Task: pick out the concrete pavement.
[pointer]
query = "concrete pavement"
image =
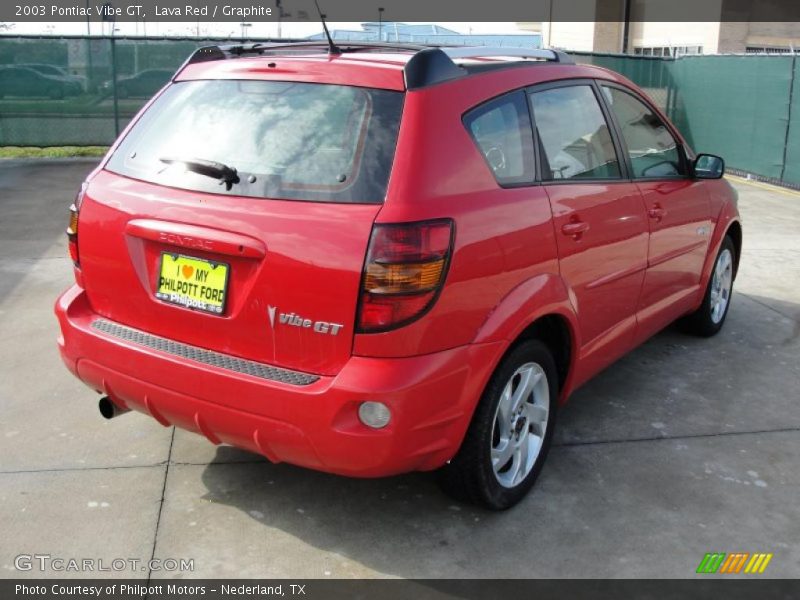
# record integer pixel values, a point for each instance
(685, 446)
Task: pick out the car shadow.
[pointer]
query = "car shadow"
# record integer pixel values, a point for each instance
(403, 526)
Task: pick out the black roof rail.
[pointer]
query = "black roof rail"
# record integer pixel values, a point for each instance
(428, 66)
(435, 65)
(260, 48)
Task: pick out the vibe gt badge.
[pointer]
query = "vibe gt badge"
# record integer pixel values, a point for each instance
(296, 320)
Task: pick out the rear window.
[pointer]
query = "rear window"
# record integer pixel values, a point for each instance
(296, 141)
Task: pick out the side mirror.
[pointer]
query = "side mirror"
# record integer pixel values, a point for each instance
(708, 166)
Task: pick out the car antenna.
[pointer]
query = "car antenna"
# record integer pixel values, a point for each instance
(332, 48)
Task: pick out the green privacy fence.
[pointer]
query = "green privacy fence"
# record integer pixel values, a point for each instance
(746, 108)
(746, 123)
(791, 164)
(82, 91)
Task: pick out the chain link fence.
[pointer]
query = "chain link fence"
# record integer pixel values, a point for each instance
(79, 90)
(83, 91)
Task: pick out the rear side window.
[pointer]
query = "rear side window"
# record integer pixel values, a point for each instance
(502, 131)
(573, 134)
(296, 141)
(652, 149)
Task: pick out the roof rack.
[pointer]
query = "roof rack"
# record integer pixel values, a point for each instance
(435, 65)
(260, 48)
(490, 52)
(428, 66)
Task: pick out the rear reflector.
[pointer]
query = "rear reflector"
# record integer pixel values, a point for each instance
(72, 235)
(72, 228)
(404, 271)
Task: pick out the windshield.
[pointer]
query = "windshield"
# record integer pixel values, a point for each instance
(297, 141)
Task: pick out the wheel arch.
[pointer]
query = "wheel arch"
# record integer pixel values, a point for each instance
(727, 224)
(554, 331)
(734, 231)
(537, 308)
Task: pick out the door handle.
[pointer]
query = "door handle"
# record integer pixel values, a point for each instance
(575, 229)
(657, 213)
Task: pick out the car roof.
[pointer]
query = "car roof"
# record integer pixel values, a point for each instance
(379, 67)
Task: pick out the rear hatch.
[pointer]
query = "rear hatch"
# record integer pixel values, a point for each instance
(262, 263)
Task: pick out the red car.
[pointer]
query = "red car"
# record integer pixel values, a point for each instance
(381, 259)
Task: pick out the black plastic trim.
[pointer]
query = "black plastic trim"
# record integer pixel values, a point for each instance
(430, 66)
(203, 355)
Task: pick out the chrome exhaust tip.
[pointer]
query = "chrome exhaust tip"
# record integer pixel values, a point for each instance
(108, 409)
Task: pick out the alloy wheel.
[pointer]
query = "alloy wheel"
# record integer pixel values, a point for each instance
(520, 424)
(721, 285)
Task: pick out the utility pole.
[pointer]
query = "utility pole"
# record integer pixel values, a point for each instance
(89, 70)
(380, 23)
(113, 42)
(626, 26)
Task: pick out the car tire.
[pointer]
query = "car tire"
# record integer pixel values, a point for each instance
(710, 317)
(508, 439)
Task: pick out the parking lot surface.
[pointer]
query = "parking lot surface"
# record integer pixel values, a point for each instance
(683, 447)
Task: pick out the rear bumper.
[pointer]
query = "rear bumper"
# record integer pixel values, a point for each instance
(316, 425)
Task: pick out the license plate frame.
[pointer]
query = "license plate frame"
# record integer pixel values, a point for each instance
(187, 300)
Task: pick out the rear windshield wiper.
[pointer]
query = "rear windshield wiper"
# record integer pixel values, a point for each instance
(209, 168)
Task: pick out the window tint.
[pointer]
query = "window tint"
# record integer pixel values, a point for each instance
(298, 141)
(502, 130)
(652, 149)
(574, 134)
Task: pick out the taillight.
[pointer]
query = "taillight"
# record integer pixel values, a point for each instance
(404, 271)
(72, 229)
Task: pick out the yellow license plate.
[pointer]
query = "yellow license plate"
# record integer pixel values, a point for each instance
(194, 283)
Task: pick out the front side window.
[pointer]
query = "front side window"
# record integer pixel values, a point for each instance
(502, 131)
(287, 140)
(573, 134)
(652, 150)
